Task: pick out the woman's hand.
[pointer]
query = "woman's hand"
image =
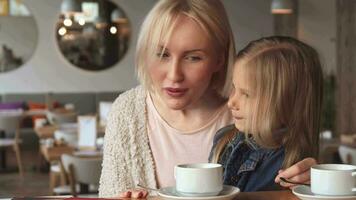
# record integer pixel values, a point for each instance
(299, 172)
(134, 193)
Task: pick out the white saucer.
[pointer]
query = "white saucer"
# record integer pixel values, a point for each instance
(304, 193)
(170, 193)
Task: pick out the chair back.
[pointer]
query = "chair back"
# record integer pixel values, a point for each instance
(87, 131)
(85, 170)
(104, 109)
(61, 118)
(347, 154)
(69, 136)
(10, 122)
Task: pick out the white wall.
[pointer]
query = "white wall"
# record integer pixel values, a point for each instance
(19, 34)
(317, 27)
(48, 70)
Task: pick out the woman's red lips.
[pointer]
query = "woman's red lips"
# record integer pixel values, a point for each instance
(175, 92)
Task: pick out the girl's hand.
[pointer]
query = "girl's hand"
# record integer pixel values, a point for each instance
(135, 193)
(299, 172)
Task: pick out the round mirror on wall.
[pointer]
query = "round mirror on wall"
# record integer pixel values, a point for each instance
(92, 34)
(18, 34)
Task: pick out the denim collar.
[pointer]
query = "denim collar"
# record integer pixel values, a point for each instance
(240, 144)
(256, 152)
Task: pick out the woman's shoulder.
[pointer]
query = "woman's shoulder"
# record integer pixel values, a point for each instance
(127, 109)
(130, 98)
(133, 93)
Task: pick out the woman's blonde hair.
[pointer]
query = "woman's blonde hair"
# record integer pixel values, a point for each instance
(288, 81)
(158, 26)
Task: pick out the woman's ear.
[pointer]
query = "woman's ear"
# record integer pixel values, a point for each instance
(220, 61)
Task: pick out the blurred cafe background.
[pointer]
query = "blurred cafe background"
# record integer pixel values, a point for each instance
(63, 63)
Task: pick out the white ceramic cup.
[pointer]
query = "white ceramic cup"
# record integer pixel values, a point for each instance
(40, 122)
(49, 142)
(333, 179)
(202, 179)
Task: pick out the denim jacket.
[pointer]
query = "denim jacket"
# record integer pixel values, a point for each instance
(246, 165)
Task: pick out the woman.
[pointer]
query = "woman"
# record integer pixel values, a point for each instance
(184, 52)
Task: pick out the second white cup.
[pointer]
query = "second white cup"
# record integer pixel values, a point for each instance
(333, 179)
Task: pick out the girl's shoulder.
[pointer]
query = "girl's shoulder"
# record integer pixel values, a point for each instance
(229, 129)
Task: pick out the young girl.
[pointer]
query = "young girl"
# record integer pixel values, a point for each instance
(276, 104)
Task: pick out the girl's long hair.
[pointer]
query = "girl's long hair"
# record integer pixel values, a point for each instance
(288, 80)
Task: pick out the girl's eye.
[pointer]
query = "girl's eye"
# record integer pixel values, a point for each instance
(245, 95)
(162, 55)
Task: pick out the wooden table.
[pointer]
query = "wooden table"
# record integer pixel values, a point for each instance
(54, 153)
(270, 195)
(48, 131)
(265, 195)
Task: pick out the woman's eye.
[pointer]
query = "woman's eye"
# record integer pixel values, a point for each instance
(193, 58)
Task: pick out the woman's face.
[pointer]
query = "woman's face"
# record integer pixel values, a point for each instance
(242, 97)
(181, 73)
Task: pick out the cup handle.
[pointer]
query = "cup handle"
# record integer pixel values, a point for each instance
(353, 174)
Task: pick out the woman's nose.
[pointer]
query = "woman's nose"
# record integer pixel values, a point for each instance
(175, 72)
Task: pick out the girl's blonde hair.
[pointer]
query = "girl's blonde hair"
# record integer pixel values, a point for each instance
(160, 21)
(288, 82)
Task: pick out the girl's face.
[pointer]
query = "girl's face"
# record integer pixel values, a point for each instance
(181, 73)
(242, 98)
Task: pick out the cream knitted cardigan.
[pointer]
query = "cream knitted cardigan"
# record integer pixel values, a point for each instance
(127, 155)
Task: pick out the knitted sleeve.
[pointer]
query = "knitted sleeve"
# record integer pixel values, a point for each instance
(127, 155)
(114, 176)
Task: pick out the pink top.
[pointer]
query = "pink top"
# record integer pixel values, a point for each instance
(171, 147)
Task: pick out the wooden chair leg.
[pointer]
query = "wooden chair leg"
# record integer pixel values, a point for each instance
(39, 159)
(53, 177)
(19, 161)
(72, 180)
(63, 176)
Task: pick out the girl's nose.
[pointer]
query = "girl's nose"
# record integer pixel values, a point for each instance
(233, 102)
(175, 72)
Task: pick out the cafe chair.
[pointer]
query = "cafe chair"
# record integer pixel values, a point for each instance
(81, 170)
(67, 133)
(68, 136)
(56, 175)
(58, 118)
(104, 109)
(10, 123)
(347, 154)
